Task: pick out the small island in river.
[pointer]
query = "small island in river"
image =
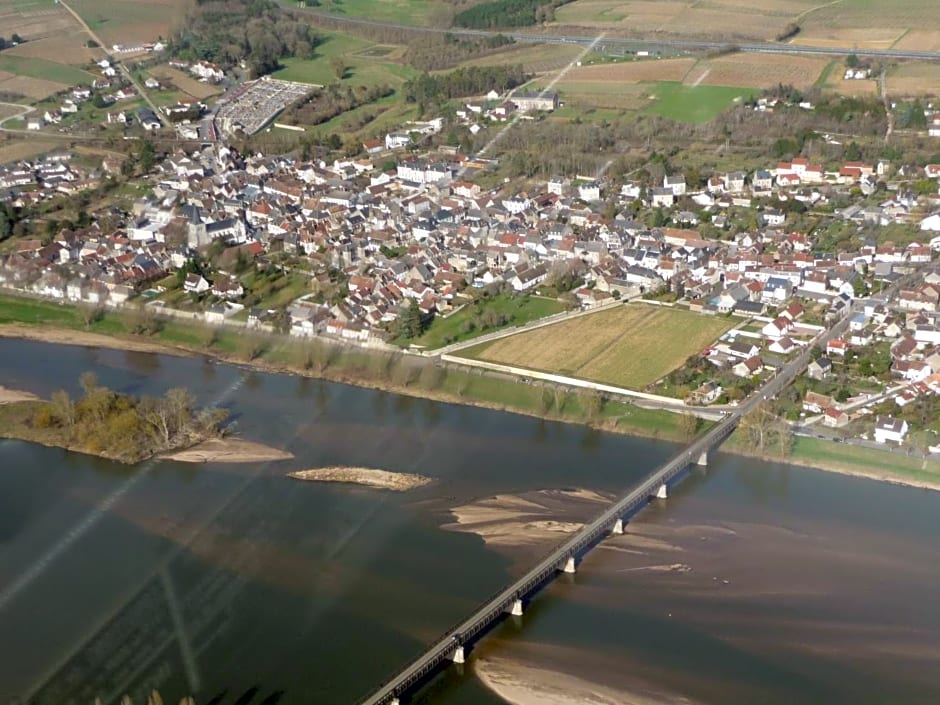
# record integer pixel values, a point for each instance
(369, 477)
(110, 424)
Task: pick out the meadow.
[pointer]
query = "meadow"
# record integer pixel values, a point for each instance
(698, 104)
(130, 21)
(630, 346)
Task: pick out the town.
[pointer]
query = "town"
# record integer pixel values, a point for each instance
(362, 242)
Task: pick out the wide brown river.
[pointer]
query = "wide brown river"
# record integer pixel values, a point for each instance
(753, 583)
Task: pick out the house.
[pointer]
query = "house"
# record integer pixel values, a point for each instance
(195, 284)
(749, 367)
(397, 140)
(373, 146)
(835, 418)
(590, 191)
(35, 124)
(525, 102)
(676, 184)
(819, 368)
(743, 349)
(837, 346)
(708, 393)
(778, 327)
(888, 428)
(227, 288)
(773, 217)
(816, 403)
(148, 119)
(783, 346)
(662, 197)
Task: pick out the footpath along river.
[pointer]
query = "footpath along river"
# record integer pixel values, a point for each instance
(754, 582)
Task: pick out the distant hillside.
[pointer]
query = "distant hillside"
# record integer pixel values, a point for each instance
(508, 13)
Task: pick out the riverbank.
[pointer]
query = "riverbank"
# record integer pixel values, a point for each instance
(417, 377)
(367, 477)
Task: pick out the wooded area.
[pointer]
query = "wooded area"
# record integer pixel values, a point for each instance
(508, 13)
(120, 426)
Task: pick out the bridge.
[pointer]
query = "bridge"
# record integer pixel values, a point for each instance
(564, 558)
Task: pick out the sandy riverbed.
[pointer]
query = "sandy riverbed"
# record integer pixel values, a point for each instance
(527, 685)
(12, 396)
(63, 336)
(228, 450)
(368, 477)
(529, 518)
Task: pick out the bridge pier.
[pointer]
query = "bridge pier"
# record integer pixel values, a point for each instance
(703, 458)
(458, 656)
(662, 492)
(394, 701)
(516, 608)
(569, 566)
(618, 528)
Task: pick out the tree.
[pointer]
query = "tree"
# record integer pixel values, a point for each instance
(688, 425)
(63, 408)
(410, 321)
(339, 67)
(764, 429)
(851, 61)
(594, 404)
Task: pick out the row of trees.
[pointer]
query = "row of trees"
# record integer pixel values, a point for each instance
(508, 13)
(472, 80)
(332, 101)
(125, 427)
(228, 32)
(442, 52)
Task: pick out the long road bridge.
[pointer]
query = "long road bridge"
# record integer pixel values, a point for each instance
(565, 557)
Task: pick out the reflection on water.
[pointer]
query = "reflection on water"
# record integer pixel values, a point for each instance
(753, 583)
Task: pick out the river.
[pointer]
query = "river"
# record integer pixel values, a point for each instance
(754, 582)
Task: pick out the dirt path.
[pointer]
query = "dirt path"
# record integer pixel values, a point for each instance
(23, 110)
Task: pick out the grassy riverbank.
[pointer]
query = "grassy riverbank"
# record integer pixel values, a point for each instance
(418, 377)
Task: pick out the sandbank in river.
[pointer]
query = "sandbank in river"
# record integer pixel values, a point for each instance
(228, 450)
(368, 477)
(14, 396)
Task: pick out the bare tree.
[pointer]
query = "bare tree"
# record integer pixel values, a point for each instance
(688, 425)
(63, 408)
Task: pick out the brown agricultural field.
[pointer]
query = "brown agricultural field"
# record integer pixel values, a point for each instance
(67, 48)
(914, 79)
(919, 40)
(605, 94)
(36, 88)
(185, 83)
(758, 71)
(130, 21)
(844, 23)
(836, 83)
(632, 71)
(15, 149)
(536, 59)
(630, 346)
(34, 20)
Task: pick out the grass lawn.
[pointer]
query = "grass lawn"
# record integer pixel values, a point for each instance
(855, 458)
(519, 309)
(630, 346)
(33, 67)
(697, 104)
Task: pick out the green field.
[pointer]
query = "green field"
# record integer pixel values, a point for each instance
(455, 328)
(361, 69)
(129, 21)
(44, 69)
(629, 346)
(416, 12)
(698, 104)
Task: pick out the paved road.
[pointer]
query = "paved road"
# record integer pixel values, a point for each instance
(633, 42)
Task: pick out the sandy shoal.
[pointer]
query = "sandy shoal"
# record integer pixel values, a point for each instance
(12, 396)
(519, 684)
(228, 450)
(64, 336)
(530, 518)
(368, 477)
